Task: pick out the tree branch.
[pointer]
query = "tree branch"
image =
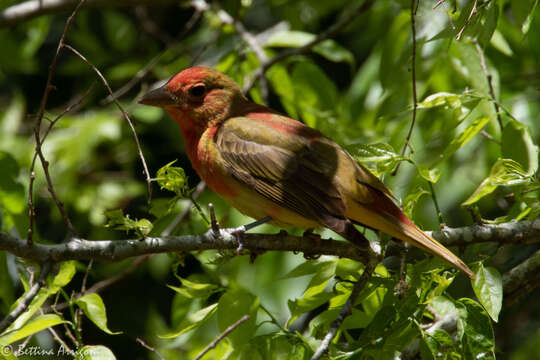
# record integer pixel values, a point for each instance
(514, 232)
(25, 302)
(115, 250)
(329, 33)
(346, 310)
(30, 9)
(222, 336)
(521, 279)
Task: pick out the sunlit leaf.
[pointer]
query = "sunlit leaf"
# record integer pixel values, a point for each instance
(517, 144)
(94, 352)
(191, 289)
(328, 48)
(33, 326)
(196, 319)
(474, 329)
(94, 308)
(173, 178)
(465, 136)
(488, 288)
(505, 172)
(117, 220)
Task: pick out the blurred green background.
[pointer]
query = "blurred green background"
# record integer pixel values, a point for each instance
(356, 89)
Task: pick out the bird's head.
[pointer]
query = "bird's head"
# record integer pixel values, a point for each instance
(199, 94)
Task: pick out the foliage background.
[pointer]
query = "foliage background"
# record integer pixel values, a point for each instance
(356, 89)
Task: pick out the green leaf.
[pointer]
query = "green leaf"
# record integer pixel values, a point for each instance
(12, 193)
(233, 305)
(94, 308)
(120, 31)
(467, 62)
(395, 50)
(147, 114)
(319, 95)
(460, 104)
(487, 29)
(504, 172)
(55, 282)
(192, 289)
(38, 29)
(382, 154)
(197, 319)
(173, 178)
(118, 221)
(432, 175)
(282, 84)
(438, 345)
(411, 200)
(499, 42)
(63, 277)
(6, 285)
(517, 144)
(12, 117)
(465, 136)
(474, 329)
(290, 39)
(524, 11)
(488, 288)
(329, 49)
(307, 268)
(299, 306)
(35, 325)
(94, 352)
(373, 152)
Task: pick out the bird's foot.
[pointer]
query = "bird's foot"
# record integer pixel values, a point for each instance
(310, 234)
(238, 234)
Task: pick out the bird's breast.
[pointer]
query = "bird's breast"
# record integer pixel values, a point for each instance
(207, 162)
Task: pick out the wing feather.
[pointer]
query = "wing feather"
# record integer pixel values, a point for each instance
(291, 173)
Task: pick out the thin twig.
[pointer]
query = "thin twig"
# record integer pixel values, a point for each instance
(27, 299)
(252, 43)
(103, 284)
(140, 341)
(473, 11)
(124, 113)
(85, 278)
(488, 136)
(154, 61)
(213, 221)
(489, 79)
(346, 310)
(57, 337)
(329, 33)
(436, 204)
(413, 79)
(221, 337)
(37, 138)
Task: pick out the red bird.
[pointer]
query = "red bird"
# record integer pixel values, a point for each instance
(268, 165)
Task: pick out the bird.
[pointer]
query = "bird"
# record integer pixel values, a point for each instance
(270, 166)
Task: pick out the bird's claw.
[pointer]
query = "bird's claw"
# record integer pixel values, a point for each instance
(238, 234)
(313, 236)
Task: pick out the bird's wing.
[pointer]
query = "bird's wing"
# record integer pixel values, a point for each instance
(291, 170)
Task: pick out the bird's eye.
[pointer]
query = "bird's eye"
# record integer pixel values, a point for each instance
(197, 90)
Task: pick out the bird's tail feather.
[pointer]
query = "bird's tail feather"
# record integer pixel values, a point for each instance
(391, 220)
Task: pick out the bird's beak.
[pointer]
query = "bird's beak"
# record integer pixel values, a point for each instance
(160, 97)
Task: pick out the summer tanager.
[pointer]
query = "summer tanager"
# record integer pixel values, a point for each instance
(268, 165)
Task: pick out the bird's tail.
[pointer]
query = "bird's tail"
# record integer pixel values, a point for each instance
(384, 215)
